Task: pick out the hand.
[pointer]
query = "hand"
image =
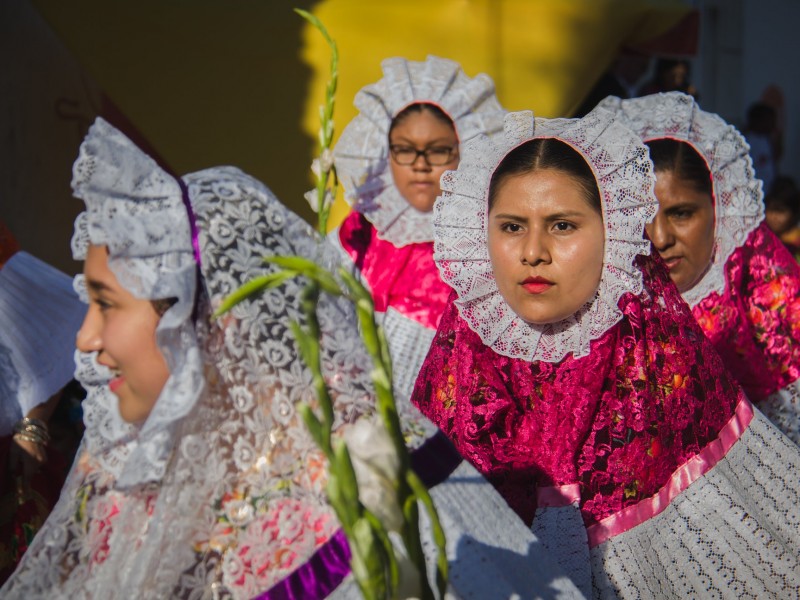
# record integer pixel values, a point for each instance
(26, 458)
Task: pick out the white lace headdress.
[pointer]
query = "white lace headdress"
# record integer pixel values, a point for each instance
(738, 195)
(362, 153)
(137, 210)
(624, 175)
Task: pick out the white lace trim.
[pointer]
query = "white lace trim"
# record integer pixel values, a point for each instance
(362, 152)
(136, 209)
(783, 409)
(622, 168)
(738, 195)
(732, 533)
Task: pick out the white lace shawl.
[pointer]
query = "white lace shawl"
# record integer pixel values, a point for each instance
(136, 209)
(624, 175)
(362, 152)
(738, 195)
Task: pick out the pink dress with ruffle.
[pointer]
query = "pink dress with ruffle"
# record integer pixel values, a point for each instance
(405, 279)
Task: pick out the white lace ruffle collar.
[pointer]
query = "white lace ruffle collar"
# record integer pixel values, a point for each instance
(362, 153)
(136, 209)
(624, 174)
(738, 195)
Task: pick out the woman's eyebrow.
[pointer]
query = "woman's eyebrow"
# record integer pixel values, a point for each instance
(439, 140)
(97, 286)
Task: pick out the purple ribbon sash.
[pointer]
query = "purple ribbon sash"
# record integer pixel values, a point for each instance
(434, 462)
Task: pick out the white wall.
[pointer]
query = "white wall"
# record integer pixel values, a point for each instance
(746, 45)
(772, 56)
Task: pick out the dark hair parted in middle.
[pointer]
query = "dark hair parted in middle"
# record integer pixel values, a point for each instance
(683, 161)
(419, 107)
(546, 153)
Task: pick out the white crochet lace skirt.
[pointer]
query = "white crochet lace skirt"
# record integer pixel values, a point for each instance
(733, 533)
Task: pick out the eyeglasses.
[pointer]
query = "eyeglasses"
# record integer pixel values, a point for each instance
(434, 157)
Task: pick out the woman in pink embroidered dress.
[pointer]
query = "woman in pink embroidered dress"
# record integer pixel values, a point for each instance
(570, 372)
(741, 282)
(390, 159)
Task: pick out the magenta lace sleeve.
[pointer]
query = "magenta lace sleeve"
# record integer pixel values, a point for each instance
(755, 324)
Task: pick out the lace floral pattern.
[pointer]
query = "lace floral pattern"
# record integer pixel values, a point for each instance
(243, 491)
(136, 209)
(755, 322)
(738, 195)
(650, 395)
(362, 153)
(624, 175)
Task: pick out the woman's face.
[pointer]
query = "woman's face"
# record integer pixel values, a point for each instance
(418, 182)
(546, 245)
(683, 230)
(122, 330)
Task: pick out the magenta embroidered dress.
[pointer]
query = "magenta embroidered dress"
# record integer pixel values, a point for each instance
(618, 433)
(746, 302)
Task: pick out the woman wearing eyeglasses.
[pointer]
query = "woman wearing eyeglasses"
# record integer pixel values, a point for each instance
(390, 159)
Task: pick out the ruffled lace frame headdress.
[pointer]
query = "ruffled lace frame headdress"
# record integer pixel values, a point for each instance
(137, 210)
(362, 153)
(624, 175)
(738, 195)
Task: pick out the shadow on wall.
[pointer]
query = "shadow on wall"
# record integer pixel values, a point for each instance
(197, 84)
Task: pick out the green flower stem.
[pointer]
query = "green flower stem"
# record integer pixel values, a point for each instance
(326, 130)
(424, 496)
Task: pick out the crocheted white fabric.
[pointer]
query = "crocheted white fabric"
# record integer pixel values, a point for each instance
(362, 152)
(39, 317)
(782, 408)
(623, 171)
(750, 499)
(738, 195)
(136, 209)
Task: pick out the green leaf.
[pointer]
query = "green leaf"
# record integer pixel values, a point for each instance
(252, 287)
(421, 492)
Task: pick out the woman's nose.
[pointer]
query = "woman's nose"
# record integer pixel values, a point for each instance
(535, 250)
(660, 233)
(89, 338)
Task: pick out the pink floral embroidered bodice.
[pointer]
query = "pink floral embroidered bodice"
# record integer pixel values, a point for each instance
(619, 422)
(755, 323)
(405, 279)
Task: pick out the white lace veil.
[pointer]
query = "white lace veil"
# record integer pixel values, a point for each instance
(221, 491)
(362, 152)
(738, 195)
(624, 175)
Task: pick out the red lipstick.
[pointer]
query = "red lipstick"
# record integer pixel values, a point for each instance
(115, 384)
(537, 285)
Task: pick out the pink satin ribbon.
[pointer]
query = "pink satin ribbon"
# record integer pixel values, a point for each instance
(682, 478)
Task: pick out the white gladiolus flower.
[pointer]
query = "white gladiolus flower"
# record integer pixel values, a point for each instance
(322, 164)
(377, 469)
(312, 199)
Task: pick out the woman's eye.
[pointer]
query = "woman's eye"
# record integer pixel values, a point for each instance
(511, 227)
(439, 152)
(563, 226)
